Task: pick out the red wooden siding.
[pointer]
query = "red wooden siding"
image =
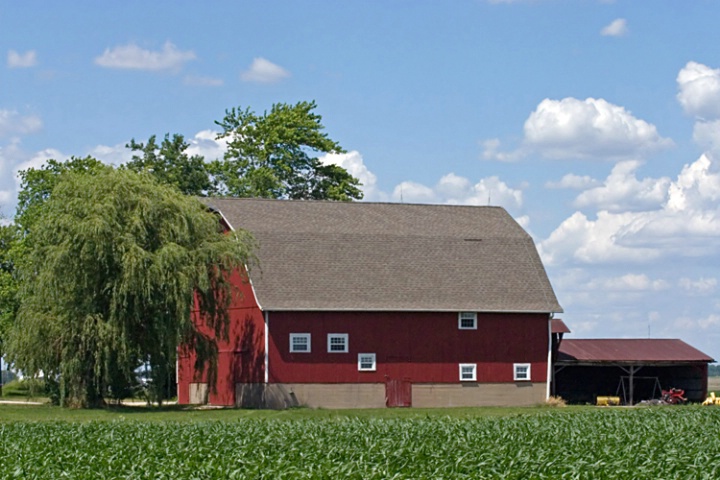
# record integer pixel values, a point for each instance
(241, 358)
(421, 347)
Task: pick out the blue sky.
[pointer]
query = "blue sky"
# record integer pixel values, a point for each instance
(596, 124)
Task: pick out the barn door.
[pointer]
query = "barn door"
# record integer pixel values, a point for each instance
(398, 393)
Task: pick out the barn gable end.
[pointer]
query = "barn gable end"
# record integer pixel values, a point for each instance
(372, 304)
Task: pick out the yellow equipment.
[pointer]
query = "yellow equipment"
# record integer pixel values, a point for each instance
(607, 401)
(712, 399)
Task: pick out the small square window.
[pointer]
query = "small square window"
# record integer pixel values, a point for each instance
(366, 362)
(468, 372)
(521, 372)
(300, 342)
(338, 342)
(467, 321)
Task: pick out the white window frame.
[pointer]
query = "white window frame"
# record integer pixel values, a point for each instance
(517, 376)
(345, 339)
(371, 357)
(306, 336)
(473, 377)
(467, 316)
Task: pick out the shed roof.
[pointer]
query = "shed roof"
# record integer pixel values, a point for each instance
(558, 326)
(319, 255)
(635, 350)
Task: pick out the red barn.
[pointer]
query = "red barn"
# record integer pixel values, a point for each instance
(382, 304)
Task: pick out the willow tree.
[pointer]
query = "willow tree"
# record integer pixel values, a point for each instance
(114, 262)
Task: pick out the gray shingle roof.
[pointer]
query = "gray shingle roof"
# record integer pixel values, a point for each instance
(390, 256)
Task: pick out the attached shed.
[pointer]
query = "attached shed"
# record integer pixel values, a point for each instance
(633, 369)
(378, 304)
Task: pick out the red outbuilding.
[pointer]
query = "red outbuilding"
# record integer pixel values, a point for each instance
(381, 304)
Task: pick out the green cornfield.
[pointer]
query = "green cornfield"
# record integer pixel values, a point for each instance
(645, 443)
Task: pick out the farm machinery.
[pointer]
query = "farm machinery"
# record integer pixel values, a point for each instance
(674, 396)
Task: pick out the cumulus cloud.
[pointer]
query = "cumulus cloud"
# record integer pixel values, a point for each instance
(206, 144)
(616, 28)
(114, 155)
(133, 57)
(264, 71)
(707, 135)
(699, 90)
(491, 151)
(574, 182)
(685, 224)
(353, 162)
(456, 190)
(12, 123)
(582, 129)
(622, 191)
(590, 128)
(697, 187)
(21, 60)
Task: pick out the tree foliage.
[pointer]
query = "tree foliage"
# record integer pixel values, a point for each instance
(113, 262)
(169, 163)
(8, 284)
(274, 155)
(36, 184)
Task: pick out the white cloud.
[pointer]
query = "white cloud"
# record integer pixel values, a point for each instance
(456, 190)
(685, 224)
(413, 192)
(353, 162)
(12, 123)
(697, 187)
(707, 135)
(585, 241)
(590, 128)
(701, 286)
(616, 28)
(711, 321)
(206, 144)
(264, 71)
(491, 151)
(574, 182)
(113, 155)
(622, 191)
(21, 60)
(699, 92)
(133, 57)
(628, 282)
(200, 81)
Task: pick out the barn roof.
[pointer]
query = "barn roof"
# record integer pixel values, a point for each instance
(318, 255)
(626, 351)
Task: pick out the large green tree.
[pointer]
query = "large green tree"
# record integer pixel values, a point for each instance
(8, 284)
(169, 163)
(36, 184)
(114, 261)
(275, 155)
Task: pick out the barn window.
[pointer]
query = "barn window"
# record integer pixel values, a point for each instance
(366, 362)
(521, 371)
(467, 321)
(338, 342)
(300, 342)
(468, 372)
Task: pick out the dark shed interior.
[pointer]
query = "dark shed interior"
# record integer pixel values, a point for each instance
(632, 369)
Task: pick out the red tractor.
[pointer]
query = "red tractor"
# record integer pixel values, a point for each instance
(674, 396)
